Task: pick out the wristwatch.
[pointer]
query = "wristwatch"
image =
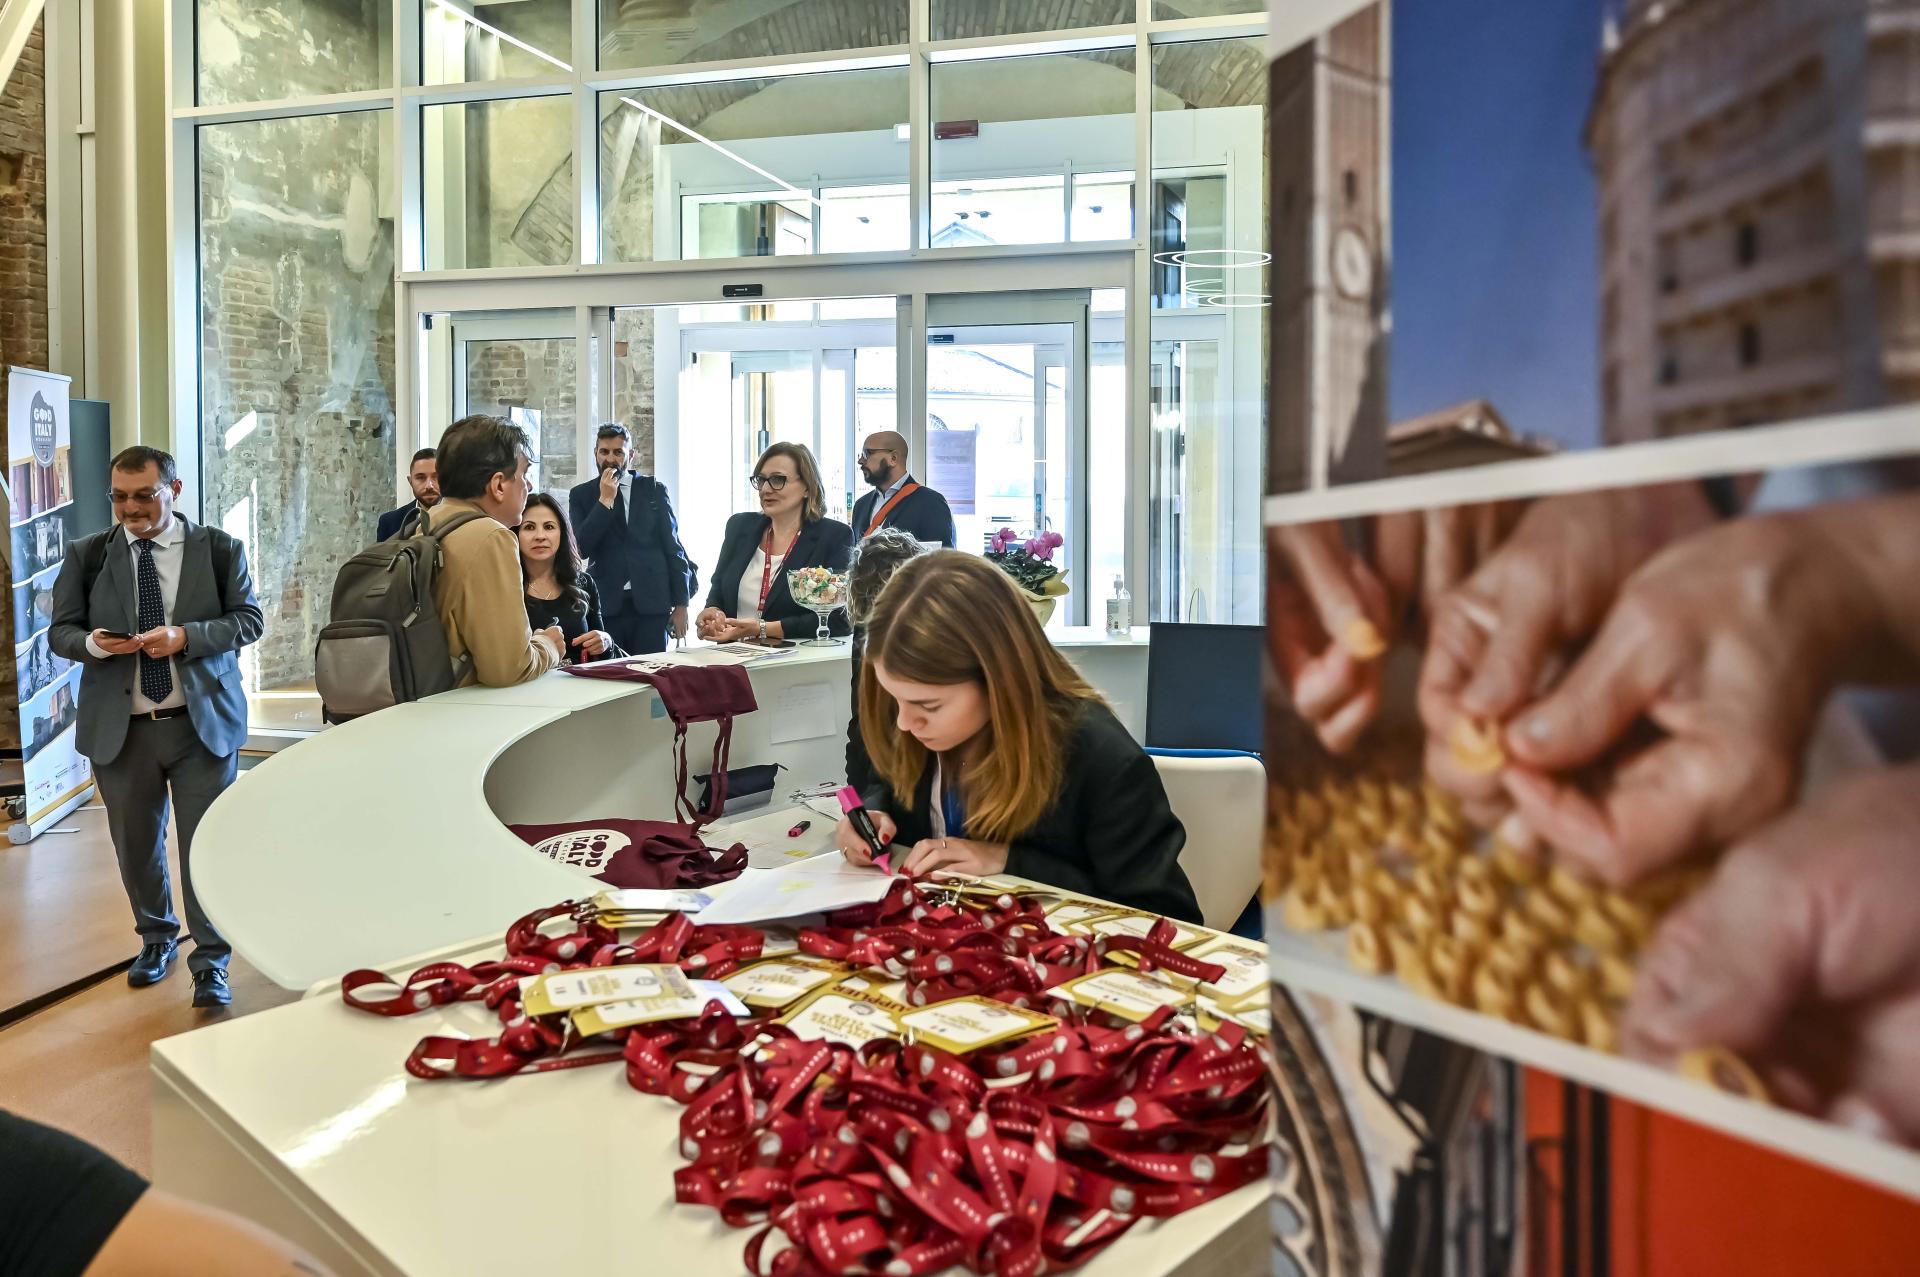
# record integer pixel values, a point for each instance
(763, 629)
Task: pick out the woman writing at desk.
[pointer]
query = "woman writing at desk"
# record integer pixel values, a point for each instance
(559, 591)
(995, 756)
(750, 599)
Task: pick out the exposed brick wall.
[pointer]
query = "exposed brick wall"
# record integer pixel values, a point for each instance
(539, 374)
(23, 261)
(23, 212)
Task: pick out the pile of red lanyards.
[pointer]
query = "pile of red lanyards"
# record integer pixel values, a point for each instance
(896, 1159)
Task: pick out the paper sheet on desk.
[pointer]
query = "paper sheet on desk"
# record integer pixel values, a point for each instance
(806, 712)
(816, 885)
(721, 654)
(766, 840)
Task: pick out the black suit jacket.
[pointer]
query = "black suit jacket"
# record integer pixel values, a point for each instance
(823, 543)
(638, 550)
(1109, 832)
(390, 521)
(924, 513)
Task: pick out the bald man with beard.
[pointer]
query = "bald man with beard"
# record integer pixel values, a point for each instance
(897, 499)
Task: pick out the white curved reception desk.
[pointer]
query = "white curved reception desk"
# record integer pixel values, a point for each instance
(387, 837)
(383, 842)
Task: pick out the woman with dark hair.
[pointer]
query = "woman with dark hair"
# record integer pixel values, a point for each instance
(995, 756)
(559, 590)
(750, 598)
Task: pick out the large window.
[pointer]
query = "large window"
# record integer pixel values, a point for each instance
(648, 33)
(297, 423)
(498, 180)
(1033, 150)
(1207, 372)
(1032, 239)
(464, 40)
(260, 50)
(755, 168)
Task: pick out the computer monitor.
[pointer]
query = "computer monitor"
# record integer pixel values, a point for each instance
(1204, 687)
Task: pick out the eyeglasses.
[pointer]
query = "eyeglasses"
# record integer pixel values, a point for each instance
(774, 481)
(873, 452)
(141, 497)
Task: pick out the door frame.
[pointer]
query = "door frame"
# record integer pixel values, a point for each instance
(593, 292)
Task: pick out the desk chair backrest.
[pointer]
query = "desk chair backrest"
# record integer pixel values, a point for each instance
(1221, 799)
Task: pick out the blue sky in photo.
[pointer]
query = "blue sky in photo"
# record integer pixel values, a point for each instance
(1495, 282)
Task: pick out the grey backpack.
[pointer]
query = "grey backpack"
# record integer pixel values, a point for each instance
(384, 643)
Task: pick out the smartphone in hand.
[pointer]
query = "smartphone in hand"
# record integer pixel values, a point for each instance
(115, 635)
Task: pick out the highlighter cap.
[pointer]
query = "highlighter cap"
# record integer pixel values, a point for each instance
(850, 799)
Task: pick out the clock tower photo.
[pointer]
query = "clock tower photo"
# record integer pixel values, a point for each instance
(1329, 160)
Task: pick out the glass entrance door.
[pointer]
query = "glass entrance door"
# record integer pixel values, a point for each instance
(1005, 413)
(522, 368)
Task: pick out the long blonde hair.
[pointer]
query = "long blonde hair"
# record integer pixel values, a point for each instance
(948, 618)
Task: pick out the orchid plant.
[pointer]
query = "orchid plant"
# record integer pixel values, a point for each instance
(1029, 562)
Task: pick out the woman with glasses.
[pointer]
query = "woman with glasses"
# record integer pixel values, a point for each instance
(750, 599)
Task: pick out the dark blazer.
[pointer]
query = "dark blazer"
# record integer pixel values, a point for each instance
(824, 543)
(217, 612)
(1110, 831)
(544, 612)
(860, 774)
(924, 514)
(390, 521)
(640, 551)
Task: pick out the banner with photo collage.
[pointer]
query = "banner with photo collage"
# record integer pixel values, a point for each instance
(40, 492)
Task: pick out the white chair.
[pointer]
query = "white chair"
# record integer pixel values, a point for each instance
(1221, 799)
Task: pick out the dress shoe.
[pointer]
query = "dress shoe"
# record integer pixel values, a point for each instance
(210, 988)
(155, 960)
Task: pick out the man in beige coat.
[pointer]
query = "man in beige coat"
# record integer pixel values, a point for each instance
(479, 592)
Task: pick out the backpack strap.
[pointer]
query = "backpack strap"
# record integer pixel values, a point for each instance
(447, 529)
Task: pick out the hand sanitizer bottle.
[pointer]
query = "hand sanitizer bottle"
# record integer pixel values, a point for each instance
(1120, 611)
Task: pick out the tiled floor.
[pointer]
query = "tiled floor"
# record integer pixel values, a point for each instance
(81, 1064)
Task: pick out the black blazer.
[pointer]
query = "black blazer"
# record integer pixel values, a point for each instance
(860, 774)
(639, 550)
(1109, 832)
(561, 612)
(390, 521)
(824, 543)
(924, 514)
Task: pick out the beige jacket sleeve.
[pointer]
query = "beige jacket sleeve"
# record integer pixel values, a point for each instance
(482, 605)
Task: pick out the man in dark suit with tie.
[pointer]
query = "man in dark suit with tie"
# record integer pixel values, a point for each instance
(157, 610)
(897, 499)
(423, 476)
(624, 525)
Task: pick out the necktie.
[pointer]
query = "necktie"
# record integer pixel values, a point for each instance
(156, 676)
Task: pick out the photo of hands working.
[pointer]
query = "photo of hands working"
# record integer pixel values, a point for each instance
(1633, 767)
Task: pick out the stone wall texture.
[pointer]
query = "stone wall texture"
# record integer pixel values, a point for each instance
(297, 323)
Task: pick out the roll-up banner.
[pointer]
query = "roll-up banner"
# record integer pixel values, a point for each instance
(40, 500)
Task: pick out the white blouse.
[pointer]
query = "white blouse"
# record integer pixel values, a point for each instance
(749, 601)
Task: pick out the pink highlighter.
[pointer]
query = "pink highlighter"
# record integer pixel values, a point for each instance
(856, 811)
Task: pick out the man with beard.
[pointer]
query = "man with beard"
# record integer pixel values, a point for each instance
(897, 499)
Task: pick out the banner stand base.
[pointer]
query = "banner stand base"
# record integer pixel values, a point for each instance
(20, 832)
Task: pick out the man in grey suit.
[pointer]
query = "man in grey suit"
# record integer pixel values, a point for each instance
(157, 610)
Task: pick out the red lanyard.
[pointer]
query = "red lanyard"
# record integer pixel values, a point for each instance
(879, 516)
(766, 571)
(897, 1152)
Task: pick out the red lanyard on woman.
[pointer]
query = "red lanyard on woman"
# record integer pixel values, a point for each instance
(766, 571)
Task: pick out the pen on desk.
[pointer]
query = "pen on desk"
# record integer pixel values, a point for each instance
(799, 829)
